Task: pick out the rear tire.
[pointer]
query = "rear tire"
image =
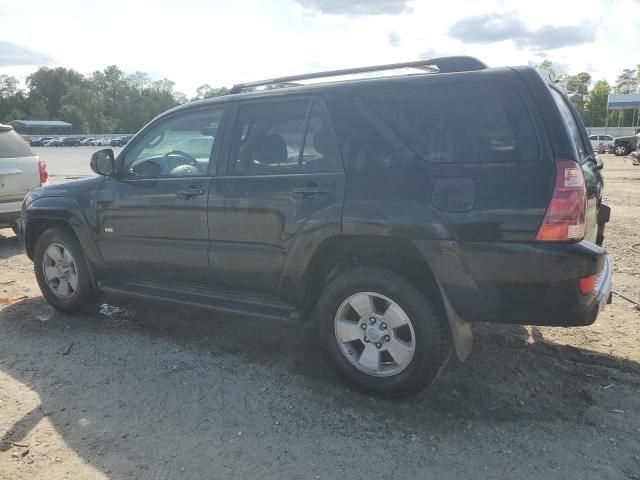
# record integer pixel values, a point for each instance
(62, 273)
(394, 344)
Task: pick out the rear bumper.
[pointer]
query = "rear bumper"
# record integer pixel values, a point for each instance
(9, 211)
(521, 283)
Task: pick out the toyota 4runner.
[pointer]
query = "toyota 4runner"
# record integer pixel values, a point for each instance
(393, 212)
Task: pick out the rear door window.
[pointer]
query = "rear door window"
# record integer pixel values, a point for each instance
(12, 145)
(570, 123)
(459, 123)
(283, 136)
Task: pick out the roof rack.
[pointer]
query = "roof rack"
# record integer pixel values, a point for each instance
(433, 65)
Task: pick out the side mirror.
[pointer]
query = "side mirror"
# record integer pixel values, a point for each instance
(103, 162)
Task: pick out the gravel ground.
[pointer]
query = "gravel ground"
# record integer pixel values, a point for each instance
(147, 392)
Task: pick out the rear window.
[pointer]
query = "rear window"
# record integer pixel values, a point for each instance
(571, 124)
(459, 123)
(12, 145)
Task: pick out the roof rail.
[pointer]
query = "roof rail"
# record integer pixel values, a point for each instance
(433, 65)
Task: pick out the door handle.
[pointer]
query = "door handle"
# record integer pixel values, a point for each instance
(189, 193)
(309, 190)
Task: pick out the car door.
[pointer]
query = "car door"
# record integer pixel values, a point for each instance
(154, 212)
(283, 187)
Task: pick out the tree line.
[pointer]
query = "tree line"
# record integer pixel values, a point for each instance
(590, 98)
(111, 101)
(107, 101)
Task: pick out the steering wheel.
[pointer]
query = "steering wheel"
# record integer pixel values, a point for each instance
(167, 167)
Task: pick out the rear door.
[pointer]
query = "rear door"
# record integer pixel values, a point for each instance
(19, 171)
(284, 183)
(586, 157)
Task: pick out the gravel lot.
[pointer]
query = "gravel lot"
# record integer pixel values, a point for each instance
(151, 392)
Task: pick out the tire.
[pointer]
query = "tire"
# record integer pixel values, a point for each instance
(428, 333)
(81, 294)
(621, 150)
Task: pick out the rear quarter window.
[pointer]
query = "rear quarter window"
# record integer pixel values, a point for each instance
(12, 145)
(570, 123)
(459, 123)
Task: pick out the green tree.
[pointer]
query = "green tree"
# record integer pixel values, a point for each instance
(596, 108)
(76, 116)
(206, 91)
(578, 90)
(51, 84)
(547, 65)
(8, 85)
(627, 81)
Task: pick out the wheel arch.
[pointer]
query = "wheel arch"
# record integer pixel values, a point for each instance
(65, 213)
(340, 253)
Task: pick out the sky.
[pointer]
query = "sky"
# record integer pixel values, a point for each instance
(222, 42)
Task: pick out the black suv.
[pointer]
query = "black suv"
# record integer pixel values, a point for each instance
(393, 212)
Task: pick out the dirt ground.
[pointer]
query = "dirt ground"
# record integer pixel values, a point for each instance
(156, 393)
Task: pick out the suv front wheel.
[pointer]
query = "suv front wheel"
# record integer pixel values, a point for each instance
(621, 149)
(382, 333)
(61, 271)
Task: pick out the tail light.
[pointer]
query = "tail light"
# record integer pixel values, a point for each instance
(44, 175)
(565, 217)
(588, 284)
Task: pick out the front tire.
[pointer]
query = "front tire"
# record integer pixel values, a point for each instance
(61, 271)
(621, 150)
(381, 333)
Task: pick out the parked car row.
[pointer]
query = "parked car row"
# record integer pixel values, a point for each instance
(119, 141)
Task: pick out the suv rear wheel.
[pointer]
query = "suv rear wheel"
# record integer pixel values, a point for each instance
(382, 333)
(61, 271)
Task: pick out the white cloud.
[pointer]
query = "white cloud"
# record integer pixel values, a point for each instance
(220, 43)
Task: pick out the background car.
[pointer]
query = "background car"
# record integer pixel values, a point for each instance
(71, 142)
(54, 142)
(101, 142)
(20, 171)
(87, 141)
(39, 142)
(601, 143)
(625, 145)
(120, 141)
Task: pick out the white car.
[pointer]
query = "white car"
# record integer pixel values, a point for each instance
(101, 142)
(20, 171)
(601, 143)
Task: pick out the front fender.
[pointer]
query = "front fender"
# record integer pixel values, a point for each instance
(63, 210)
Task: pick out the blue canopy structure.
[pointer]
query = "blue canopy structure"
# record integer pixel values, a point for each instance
(629, 101)
(40, 126)
(623, 102)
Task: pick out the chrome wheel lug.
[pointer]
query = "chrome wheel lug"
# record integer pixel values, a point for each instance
(383, 326)
(378, 345)
(366, 339)
(372, 321)
(363, 326)
(387, 338)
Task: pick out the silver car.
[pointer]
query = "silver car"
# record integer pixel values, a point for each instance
(20, 171)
